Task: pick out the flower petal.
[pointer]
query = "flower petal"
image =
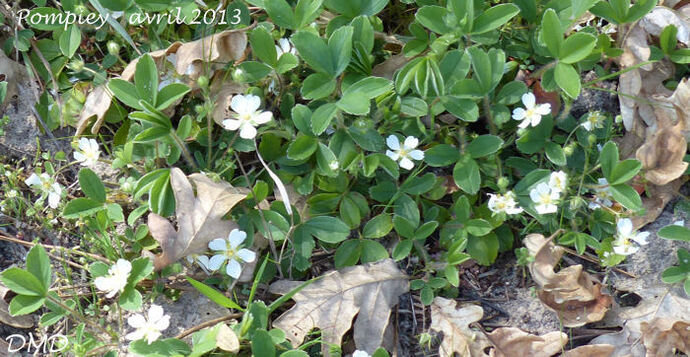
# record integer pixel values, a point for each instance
(33, 180)
(410, 143)
(524, 124)
(262, 118)
(236, 237)
(155, 313)
(625, 227)
(162, 323)
(641, 238)
(246, 255)
(79, 156)
(231, 124)
(136, 321)
(234, 269)
(215, 262)
(124, 266)
(393, 155)
(406, 163)
(248, 132)
(543, 109)
(417, 154)
(393, 142)
(135, 335)
(519, 113)
(239, 104)
(219, 244)
(529, 100)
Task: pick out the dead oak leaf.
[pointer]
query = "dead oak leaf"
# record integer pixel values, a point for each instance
(571, 292)
(662, 336)
(368, 291)
(511, 341)
(199, 219)
(662, 155)
(590, 351)
(454, 322)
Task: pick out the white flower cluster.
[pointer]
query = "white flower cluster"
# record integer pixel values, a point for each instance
(546, 195)
(503, 203)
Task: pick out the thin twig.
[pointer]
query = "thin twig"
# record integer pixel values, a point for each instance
(596, 261)
(209, 323)
(48, 246)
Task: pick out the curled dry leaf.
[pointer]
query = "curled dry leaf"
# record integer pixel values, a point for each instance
(571, 292)
(511, 341)
(655, 321)
(655, 200)
(387, 68)
(454, 323)
(222, 91)
(186, 59)
(23, 321)
(368, 291)
(199, 219)
(662, 155)
(663, 337)
(590, 351)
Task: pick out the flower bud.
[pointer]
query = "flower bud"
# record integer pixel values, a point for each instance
(591, 139)
(576, 202)
(113, 48)
(202, 82)
(77, 65)
(502, 183)
(619, 119)
(569, 149)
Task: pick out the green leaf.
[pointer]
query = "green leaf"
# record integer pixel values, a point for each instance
(402, 250)
(286, 62)
(576, 47)
(378, 227)
(568, 79)
(483, 249)
(318, 85)
(80, 207)
(302, 148)
(511, 93)
(370, 87)
(481, 65)
(552, 32)
(478, 227)
(608, 158)
(314, 51)
(372, 251)
(301, 117)
(354, 8)
(326, 161)
(130, 299)
(432, 17)
(466, 175)
(125, 92)
(141, 268)
(465, 109)
(624, 171)
(22, 282)
(91, 185)
(340, 49)
(441, 155)
(24, 304)
(494, 17)
(306, 11)
(262, 344)
(281, 13)
(419, 185)
(263, 46)
(347, 254)
(38, 264)
(674, 232)
(254, 71)
(668, 40)
(354, 104)
(170, 94)
(626, 196)
(322, 117)
(70, 40)
(214, 295)
(555, 153)
(146, 79)
(328, 229)
(639, 9)
(484, 145)
(674, 275)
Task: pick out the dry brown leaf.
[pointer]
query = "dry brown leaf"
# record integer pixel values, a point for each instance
(227, 340)
(571, 292)
(454, 323)
(662, 337)
(23, 321)
(369, 291)
(654, 200)
(662, 155)
(199, 219)
(222, 91)
(387, 68)
(641, 333)
(590, 351)
(185, 58)
(511, 341)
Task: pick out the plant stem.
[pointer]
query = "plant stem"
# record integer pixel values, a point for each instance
(493, 130)
(185, 152)
(80, 317)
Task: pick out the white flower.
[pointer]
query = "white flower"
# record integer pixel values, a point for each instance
(602, 195)
(284, 46)
(150, 328)
(359, 353)
(229, 250)
(593, 121)
(623, 245)
(333, 165)
(406, 153)
(503, 203)
(248, 115)
(47, 186)
(531, 113)
(116, 280)
(558, 181)
(545, 198)
(202, 260)
(88, 152)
